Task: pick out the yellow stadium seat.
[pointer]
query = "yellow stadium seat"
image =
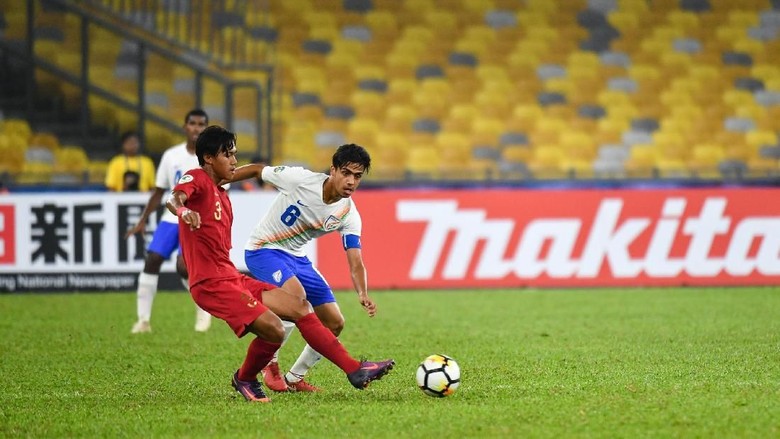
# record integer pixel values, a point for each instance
(477, 7)
(578, 144)
(401, 65)
(363, 72)
(765, 72)
(96, 171)
(430, 105)
(34, 173)
(368, 104)
(486, 131)
(516, 153)
(469, 170)
(524, 117)
(623, 21)
(12, 152)
(494, 104)
(423, 162)
(439, 19)
(612, 98)
(542, 32)
(45, 140)
(481, 33)
(438, 86)
(758, 139)
(474, 47)
(705, 158)
(401, 90)
(383, 23)
(339, 69)
(641, 161)
(417, 33)
(546, 162)
(459, 117)
(362, 131)
(452, 141)
(547, 131)
(736, 98)
(71, 159)
(399, 118)
(16, 127)
(388, 163)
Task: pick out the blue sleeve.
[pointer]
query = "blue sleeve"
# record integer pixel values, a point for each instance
(350, 241)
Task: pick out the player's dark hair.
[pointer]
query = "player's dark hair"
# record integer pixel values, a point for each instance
(351, 153)
(213, 141)
(196, 112)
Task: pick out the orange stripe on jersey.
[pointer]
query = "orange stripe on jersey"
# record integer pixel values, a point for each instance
(290, 234)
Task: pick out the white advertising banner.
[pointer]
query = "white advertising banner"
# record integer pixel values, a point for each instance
(76, 241)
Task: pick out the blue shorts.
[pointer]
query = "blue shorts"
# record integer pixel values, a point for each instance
(165, 239)
(276, 266)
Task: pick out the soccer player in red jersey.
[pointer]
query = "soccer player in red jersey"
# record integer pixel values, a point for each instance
(246, 304)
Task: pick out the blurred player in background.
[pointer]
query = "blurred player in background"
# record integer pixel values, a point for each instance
(246, 304)
(175, 161)
(310, 205)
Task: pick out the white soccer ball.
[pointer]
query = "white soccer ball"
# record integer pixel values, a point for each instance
(438, 375)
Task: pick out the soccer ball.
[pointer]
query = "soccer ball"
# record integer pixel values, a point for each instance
(438, 375)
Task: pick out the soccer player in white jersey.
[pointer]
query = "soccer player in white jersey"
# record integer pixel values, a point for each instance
(175, 161)
(309, 205)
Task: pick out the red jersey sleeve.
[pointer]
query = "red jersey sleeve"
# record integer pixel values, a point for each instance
(188, 183)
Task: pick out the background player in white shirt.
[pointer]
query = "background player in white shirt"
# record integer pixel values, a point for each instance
(175, 161)
(309, 205)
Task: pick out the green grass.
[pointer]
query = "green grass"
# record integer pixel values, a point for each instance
(577, 363)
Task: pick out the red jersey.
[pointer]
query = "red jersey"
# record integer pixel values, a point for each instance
(206, 250)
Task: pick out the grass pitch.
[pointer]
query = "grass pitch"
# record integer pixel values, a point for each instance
(578, 363)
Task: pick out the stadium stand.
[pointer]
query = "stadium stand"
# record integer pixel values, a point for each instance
(611, 88)
(484, 89)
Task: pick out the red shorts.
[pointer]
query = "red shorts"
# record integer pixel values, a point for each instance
(238, 300)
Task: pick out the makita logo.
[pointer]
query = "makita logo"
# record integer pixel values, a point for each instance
(560, 248)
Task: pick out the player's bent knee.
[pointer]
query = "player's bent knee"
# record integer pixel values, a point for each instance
(181, 268)
(153, 263)
(300, 308)
(335, 326)
(269, 327)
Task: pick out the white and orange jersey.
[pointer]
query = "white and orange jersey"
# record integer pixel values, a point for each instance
(298, 214)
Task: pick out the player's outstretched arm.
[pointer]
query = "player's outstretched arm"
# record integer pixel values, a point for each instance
(175, 204)
(151, 205)
(251, 170)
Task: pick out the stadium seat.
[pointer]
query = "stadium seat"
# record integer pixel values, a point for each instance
(13, 148)
(547, 162)
(362, 131)
(45, 140)
(399, 118)
(16, 127)
(423, 162)
(486, 132)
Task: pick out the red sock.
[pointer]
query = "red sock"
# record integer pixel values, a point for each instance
(324, 342)
(258, 355)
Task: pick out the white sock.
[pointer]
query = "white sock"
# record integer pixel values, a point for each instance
(288, 329)
(147, 288)
(201, 315)
(308, 358)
